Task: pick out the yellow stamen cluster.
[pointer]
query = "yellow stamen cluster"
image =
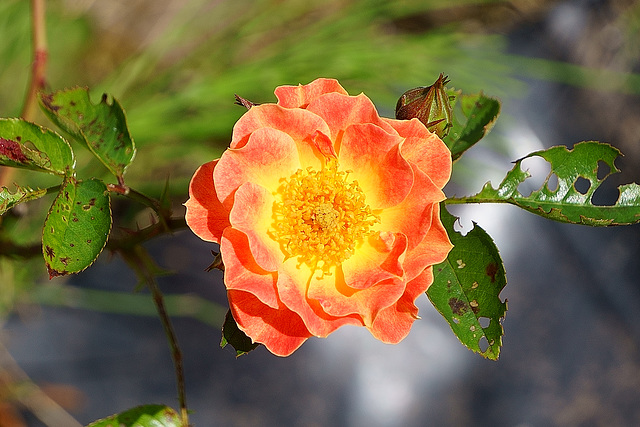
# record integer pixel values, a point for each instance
(320, 217)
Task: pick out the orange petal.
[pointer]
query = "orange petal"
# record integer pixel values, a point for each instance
(268, 156)
(242, 273)
(339, 111)
(293, 283)
(300, 125)
(374, 157)
(425, 149)
(252, 214)
(433, 249)
(393, 323)
(338, 299)
(300, 96)
(280, 330)
(412, 216)
(378, 258)
(205, 215)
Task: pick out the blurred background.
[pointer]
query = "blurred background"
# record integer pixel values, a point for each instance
(565, 71)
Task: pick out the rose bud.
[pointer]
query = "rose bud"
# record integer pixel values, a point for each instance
(428, 104)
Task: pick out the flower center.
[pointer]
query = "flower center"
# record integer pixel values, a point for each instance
(320, 217)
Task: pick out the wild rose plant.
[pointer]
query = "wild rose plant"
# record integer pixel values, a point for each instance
(325, 213)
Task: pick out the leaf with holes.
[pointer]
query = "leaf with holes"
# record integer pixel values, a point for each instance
(22, 194)
(480, 113)
(231, 334)
(565, 203)
(142, 416)
(466, 289)
(29, 146)
(77, 226)
(101, 127)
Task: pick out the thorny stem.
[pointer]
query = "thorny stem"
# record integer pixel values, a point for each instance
(38, 70)
(140, 261)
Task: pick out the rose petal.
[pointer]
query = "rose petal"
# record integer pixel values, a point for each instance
(378, 258)
(433, 249)
(412, 216)
(268, 156)
(206, 216)
(252, 214)
(374, 157)
(393, 323)
(293, 282)
(242, 272)
(279, 329)
(300, 125)
(425, 149)
(300, 96)
(337, 298)
(340, 111)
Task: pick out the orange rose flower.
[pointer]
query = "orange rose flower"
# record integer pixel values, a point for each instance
(326, 215)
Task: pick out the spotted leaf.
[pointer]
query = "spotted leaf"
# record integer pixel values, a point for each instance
(467, 286)
(77, 226)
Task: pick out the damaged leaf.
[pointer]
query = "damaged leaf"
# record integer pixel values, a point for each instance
(466, 289)
(564, 202)
(22, 194)
(77, 226)
(29, 146)
(101, 127)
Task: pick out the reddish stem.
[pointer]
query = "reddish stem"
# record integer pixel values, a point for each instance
(38, 72)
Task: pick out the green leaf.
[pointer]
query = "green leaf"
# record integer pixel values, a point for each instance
(29, 146)
(231, 334)
(466, 289)
(565, 203)
(77, 226)
(102, 127)
(22, 194)
(142, 416)
(480, 113)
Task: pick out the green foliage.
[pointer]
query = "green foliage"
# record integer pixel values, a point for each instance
(100, 127)
(479, 115)
(77, 226)
(51, 153)
(231, 334)
(565, 203)
(142, 416)
(467, 286)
